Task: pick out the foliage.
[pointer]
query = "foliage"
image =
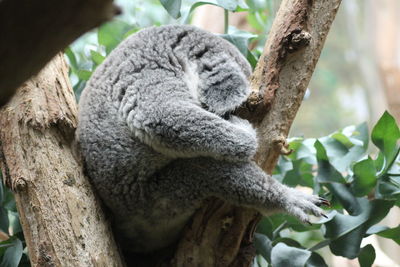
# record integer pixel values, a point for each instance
(362, 188)
(12, 253)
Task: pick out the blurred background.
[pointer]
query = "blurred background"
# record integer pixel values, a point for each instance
(356, 79)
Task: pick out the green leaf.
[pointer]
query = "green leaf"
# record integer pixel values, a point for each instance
(391, 233)
(251, 59)
(130, 32)
(2, 193)
(283, 256)
(239, 38)
(78, 88)
(259, 261)
(111, 34)
(97, 57)
(364, 177)
(301, 174)
(326, 172)
(343, 139)
(13, 254)
(15, 225)
(379, 161)
(360, 140)
(367, 256)
(304, 150)
(376, 229)
(265, 227)
(346, 198)
(228, 4)
(334, 148)
(321, 151)
(346, 231)
(387, 188)
(361, 134)
(288, 241)
(9, 200)
(4, 221)
(71, 58)
(385, 136)
(84, 74)
(4, 245)
(316, 261)
(320, 245)
(284, 165)
(173, 7)
(263, 246)
(281, 221)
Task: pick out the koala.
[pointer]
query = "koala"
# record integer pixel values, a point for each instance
(157, 136)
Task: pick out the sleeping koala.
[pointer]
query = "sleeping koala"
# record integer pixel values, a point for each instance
(157, 136)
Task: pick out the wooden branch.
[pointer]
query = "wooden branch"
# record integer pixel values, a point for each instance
(288, 62)
(33, 32)
(62, 220)
(220, 234)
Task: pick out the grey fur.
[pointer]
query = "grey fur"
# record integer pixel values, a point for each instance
(155, 144)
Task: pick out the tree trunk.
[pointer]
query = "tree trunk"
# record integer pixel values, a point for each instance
(62, 220)
(33, 32)
(221, 234)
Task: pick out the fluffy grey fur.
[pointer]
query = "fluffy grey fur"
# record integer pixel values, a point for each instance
(157, 138)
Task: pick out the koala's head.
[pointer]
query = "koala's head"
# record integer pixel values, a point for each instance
(222, 87)
(217, 73)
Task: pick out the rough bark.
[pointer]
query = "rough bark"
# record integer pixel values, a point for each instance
(220, 234)
(33, 32)
(61, 218)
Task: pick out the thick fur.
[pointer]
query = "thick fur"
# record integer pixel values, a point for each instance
(156, 138)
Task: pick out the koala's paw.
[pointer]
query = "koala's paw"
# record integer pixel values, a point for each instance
(246, 138)
(300, 205)
(244, 125)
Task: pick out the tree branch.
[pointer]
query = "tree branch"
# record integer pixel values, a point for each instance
(62, 220)
(33, 32)
(286, 66)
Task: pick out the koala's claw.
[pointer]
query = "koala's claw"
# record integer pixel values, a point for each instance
(300, 205)
(323, 202)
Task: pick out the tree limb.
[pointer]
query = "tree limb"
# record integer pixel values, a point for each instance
(62, 220)
(33, 32)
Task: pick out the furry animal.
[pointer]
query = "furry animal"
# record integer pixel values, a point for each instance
(157, 136)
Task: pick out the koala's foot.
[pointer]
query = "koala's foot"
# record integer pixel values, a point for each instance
(300, 205)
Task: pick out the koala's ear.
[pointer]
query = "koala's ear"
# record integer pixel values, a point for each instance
(223, 88)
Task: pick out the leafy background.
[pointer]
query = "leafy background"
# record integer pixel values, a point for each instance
(359, 177)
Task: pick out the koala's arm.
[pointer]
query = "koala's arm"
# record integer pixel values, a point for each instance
(178, 127)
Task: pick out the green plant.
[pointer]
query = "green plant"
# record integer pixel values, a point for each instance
(362, 189)
(12, 253)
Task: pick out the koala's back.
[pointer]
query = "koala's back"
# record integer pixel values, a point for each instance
(149, 57)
